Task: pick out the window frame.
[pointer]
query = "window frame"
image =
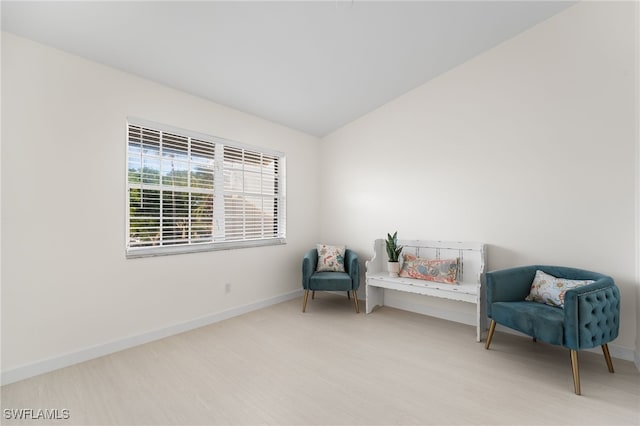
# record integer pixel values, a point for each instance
(218, 241)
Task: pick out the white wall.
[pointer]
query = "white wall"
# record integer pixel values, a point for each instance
(637, 91)
(66, 285)
(528, 147)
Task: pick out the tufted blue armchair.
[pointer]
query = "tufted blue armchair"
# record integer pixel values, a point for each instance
(313, 281)
(590, 317)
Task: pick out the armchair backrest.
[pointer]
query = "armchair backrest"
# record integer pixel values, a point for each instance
(514, 284)
(351, 262)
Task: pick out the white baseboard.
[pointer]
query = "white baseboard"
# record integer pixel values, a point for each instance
(620, 352)
(51, 364)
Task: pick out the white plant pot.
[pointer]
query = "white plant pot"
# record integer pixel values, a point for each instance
(393, 268)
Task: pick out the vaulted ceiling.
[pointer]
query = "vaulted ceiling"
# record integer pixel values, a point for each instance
(312, 66)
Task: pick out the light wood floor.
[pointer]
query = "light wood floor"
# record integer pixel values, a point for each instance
(330, 366)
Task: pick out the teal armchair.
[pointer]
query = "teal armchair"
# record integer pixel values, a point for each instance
(313, 281)
(590, 317)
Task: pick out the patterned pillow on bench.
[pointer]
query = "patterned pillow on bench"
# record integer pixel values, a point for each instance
(438, 270)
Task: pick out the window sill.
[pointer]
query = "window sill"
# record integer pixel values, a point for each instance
(134, 253)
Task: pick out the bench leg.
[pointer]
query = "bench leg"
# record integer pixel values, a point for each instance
(375, 297)
(492, 329)
(607, 357)
(304, 302)
(575, 368)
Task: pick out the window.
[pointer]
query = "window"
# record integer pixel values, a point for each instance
(192, 192)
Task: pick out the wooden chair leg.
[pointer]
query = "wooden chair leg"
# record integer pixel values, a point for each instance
(355, 302)
(575, 368)
(349, 295)
(304, 302)
(492, 329)
(313, 294)
(607, 357)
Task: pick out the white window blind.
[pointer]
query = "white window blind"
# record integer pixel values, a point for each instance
(192, 192)
(251, 183)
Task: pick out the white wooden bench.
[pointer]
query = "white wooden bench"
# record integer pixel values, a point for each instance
(471, 269)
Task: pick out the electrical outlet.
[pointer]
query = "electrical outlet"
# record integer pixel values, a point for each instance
(227, 288)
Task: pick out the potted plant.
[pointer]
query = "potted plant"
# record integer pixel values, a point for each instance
(393, 253)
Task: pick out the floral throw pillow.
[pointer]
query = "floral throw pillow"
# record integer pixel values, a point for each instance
(438, 270)
(330, 258)
(550, 290)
